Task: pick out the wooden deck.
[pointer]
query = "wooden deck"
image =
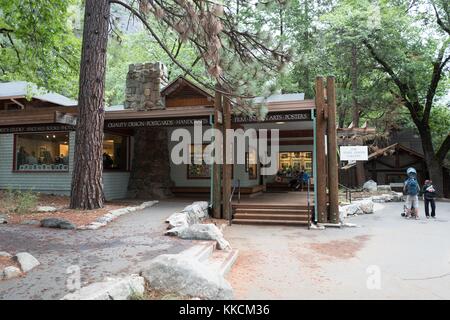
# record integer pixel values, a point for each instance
(277, 198)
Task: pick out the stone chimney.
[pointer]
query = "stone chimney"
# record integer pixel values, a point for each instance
(143, 86)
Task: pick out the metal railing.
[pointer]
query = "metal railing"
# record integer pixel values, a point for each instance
(308, 203)
(236, 185)
(348, 192)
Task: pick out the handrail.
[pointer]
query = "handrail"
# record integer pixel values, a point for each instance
(309, 205)
(348, 192)
(230, 216)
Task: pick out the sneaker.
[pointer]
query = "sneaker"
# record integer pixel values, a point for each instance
(428, 217)
(417, 218)
(433, 217)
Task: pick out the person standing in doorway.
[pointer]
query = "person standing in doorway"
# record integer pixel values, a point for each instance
(412, 190)
(429, 194)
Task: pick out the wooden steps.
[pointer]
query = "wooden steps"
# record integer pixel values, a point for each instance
(271, 214)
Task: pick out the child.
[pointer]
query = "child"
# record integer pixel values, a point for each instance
(429, 193)
(412, 189)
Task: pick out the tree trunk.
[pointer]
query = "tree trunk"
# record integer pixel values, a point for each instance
(433, 165)
(87, 188)
(360, 172)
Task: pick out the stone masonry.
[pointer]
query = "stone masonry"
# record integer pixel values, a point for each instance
(150, 176)
(143, 86)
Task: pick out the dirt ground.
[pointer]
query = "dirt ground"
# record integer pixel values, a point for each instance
(409, 259)
(77, 217)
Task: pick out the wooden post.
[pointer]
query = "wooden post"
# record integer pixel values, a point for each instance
(333, 186)
(217, 168)
(227, 168)
(321, 187)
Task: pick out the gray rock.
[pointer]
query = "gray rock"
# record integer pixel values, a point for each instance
(184, 275)
(397, 197)
(10, 273)
(366, 206)
(382, 198)
(5, 254)
(384, 188)
(110, 289)
(46, 209)
(3, 219)
(201, 232)
(26, 261)
(198, 210)
(31, 222)
(370, 186)
(57, 223)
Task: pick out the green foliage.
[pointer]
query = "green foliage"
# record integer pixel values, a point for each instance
(38, 44)
(20, 202)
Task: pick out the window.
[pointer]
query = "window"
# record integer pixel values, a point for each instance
(115, 152)
(198, 171)
(251, 166)
(290, 162)
(42, 151)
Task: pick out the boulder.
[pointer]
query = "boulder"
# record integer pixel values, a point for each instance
(384, 188)
(198, 210)
(370, 186)
(178, 220)
(26, 261)
(110, 289)
(185, 275)
(397, 196)
(201, 232)
(31, 222)
(46, 209)
(5, 254)
(119, 212)
(382, 198)
(10, 273)
(3, 219)
(57, 223)
(366, 206)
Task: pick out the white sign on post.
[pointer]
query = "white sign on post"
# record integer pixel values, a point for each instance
(354, 153)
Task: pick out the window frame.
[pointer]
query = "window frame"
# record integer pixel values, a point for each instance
(128, 152)
(14, 164)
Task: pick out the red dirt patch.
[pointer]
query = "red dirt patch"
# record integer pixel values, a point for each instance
(340, 249)
(77, 217)
(6, 262)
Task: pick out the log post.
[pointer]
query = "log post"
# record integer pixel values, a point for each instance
(321, 188)
(227, 167)
(333, 186)
(217, 167)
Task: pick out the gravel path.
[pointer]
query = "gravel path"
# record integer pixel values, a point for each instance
(120, 248)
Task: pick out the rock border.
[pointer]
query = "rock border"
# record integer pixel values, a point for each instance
(114, 214)
(25, 260)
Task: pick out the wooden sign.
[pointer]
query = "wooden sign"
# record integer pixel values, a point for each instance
(65, 118)
(304, 115)
(354, 153)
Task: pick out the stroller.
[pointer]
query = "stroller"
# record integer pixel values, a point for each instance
(404, 214)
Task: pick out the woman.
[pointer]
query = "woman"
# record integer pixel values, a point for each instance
(429, 193)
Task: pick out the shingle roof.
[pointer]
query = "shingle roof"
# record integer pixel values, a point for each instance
(22, 89)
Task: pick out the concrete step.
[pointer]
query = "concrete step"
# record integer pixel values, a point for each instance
(270, 206)
(271, 211)
(270, 222)
(222, 260)
(201, 251)
(277, 216)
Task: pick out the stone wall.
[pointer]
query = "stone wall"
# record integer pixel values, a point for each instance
(143, 86)
(150, 175)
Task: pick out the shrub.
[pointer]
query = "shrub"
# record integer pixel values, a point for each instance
(20, 202)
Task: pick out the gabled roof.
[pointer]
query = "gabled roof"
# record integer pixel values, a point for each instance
(381, 153)
(23, 89)
(181, 82)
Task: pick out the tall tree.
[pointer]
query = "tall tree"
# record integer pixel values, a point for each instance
(231, 48)
(87, 188)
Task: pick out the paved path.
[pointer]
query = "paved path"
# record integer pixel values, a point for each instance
(411, 257)
(120, 248)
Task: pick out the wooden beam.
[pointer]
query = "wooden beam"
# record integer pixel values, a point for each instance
(227, 168)
(217, 168)
(333, 185)
(321, 188)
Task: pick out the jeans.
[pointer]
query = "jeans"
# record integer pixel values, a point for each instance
(433, 207)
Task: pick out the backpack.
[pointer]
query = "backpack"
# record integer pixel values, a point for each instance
(412, 187)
